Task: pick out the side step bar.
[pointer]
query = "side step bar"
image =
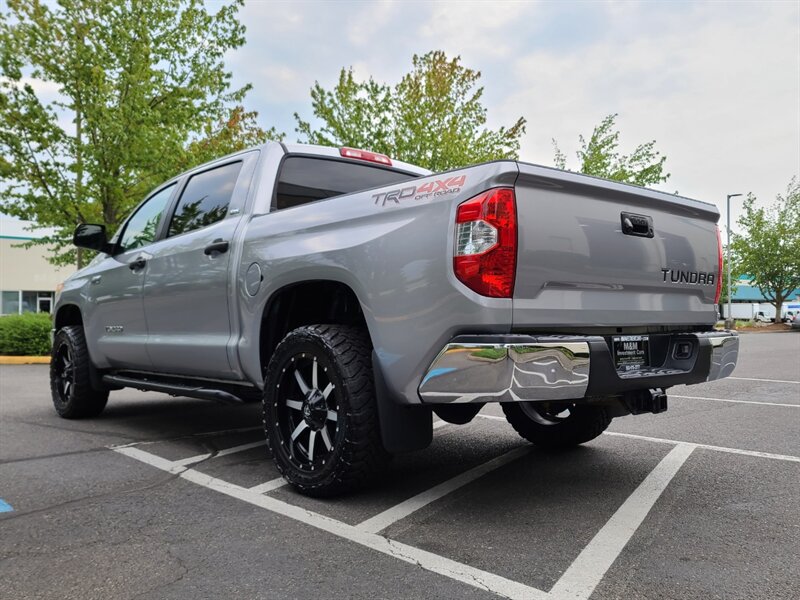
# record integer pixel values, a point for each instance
(175, 389)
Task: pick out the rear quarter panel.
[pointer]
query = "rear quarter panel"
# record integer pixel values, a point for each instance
(395, 256)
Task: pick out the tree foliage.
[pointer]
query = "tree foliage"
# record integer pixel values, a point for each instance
(735, 274)
(769, 248)
(433, 117)
(101, 101)
(600, 157)
(236, 131)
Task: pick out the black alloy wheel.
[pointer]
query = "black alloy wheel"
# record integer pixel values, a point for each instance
(63, 372)
(307, 408)
(319, 407)
(70, 376)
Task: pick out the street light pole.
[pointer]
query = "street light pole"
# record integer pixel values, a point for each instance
(729, 321)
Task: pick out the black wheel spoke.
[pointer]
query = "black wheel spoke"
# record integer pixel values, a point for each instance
(307, 410)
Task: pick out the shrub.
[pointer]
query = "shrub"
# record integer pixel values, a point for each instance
(27, 334)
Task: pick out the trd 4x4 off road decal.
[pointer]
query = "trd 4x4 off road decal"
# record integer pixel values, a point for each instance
(431, 189)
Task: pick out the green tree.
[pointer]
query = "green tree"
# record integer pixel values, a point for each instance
(769, 248)
(433, 117)
(236, 131)
(600, 157)
(136, 83)
(735, 274)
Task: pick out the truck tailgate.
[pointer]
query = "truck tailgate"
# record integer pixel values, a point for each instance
(581, 264)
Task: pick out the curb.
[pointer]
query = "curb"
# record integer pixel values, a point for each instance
(24, 360)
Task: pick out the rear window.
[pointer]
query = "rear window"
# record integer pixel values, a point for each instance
(304, 180)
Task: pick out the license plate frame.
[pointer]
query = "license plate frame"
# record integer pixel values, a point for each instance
(631, 352)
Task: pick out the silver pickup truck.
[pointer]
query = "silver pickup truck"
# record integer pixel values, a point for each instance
(355, 296)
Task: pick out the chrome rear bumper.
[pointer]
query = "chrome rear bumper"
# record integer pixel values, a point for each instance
(513, 368)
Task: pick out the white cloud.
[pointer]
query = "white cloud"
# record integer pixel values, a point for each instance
(368, 25)
(720, 95)
(716, 84)
(476, 28)
(282, 83)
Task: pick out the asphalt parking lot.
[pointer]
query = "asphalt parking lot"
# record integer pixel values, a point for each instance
(175, 498)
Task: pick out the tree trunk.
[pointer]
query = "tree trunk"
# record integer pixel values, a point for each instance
(778, 307)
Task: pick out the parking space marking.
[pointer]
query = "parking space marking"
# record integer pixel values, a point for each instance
(578, 581)
(427, 560)
(227, 451)
(191, 435)
(736, 401)
(588, 569)
(150, 459)
(193, 459)
(268, 486)
(400, 511)
(785, 457)
(767, 380)
(439, 424)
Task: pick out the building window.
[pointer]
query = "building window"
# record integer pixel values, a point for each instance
(18, 302)
(10, 304)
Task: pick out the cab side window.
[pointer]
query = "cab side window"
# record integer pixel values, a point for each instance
(141, 227)
(205, 199)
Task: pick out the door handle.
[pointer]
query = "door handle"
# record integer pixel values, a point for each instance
(96, 279)
(636, 225)
(218, 246)
(137, 264)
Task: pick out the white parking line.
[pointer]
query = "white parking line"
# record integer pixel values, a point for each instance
(767, 380)
(151, 459)
(438, 424)
(191, 435)
(586, 571)
(400, 511)
(268, 486)
(200, 457)
(770, 455)
(754, 453)
(735, 401)
(427, 560)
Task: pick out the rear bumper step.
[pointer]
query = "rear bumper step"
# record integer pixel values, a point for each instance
(514, 368)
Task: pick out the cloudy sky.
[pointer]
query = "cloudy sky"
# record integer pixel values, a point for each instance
(716, 84)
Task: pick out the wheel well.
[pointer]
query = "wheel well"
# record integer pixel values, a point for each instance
(307, 303)
(68, 314)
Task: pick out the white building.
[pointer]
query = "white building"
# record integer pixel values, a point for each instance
(27, 280)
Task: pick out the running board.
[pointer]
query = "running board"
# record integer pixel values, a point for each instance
(174, 389)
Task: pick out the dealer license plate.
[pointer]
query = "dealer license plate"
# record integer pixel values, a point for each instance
(631, 352)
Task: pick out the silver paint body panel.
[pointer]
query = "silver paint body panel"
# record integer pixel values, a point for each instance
(575, 270)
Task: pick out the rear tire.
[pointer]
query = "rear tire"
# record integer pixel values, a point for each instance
(556, 426)
(319, 407)
(70, 378)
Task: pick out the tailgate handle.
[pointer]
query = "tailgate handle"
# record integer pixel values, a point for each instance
(638, 225)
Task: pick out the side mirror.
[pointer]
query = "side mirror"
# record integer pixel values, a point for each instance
(92, 237)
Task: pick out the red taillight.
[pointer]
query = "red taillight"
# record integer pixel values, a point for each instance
(485, 257)
(718, 295)
(365, 155)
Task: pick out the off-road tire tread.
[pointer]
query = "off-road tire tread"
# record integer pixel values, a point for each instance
(85, 401)
(363, 455)
(584, 424)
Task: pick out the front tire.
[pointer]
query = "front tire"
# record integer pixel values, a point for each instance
(70, 379)
(319, 407)
(556, 426)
